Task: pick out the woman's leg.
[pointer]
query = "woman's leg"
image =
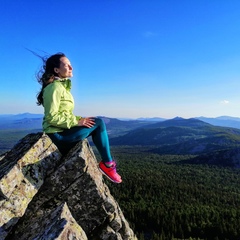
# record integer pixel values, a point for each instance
(68, 138)
(101, 141)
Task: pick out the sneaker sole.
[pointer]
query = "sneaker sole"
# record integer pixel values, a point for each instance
(107, 175)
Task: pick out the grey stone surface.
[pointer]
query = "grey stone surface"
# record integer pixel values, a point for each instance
(47, 196)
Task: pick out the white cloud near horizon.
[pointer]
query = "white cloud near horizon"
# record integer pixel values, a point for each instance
(225, 102)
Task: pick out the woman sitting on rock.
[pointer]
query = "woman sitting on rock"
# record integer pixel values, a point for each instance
(60, 124)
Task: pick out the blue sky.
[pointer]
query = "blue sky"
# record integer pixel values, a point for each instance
(135, 58)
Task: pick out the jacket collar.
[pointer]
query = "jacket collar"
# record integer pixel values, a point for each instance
(66, 82)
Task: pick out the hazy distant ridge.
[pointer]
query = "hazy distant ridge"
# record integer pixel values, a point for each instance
(22, 120)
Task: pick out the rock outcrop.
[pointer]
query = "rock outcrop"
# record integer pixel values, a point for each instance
(46, 196)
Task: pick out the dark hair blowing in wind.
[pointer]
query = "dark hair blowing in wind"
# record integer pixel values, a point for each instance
(46, 74)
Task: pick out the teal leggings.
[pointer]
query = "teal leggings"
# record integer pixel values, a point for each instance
(70, 137)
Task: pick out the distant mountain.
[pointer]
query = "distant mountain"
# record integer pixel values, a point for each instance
(21, 121)
(19, 116)
(223, 121)
(178, 121)
(228, 118)
(10, 120)
(153, 119)
(182, 136)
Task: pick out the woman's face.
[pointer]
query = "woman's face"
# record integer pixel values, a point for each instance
(65, 69)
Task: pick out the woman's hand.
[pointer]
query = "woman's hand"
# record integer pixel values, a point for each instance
(86, 122)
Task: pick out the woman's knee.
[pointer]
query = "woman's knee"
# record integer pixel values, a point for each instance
(99, 122)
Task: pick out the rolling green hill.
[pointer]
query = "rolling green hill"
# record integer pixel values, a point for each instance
(182, 136)
(186, 136)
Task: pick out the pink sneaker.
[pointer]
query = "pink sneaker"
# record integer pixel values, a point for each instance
(110, 172)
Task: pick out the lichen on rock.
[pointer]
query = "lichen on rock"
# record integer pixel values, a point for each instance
(46, 194)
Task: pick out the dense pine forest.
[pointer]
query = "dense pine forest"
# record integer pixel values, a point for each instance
(164, 198)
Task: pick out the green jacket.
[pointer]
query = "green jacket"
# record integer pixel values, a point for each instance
(58, 106)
